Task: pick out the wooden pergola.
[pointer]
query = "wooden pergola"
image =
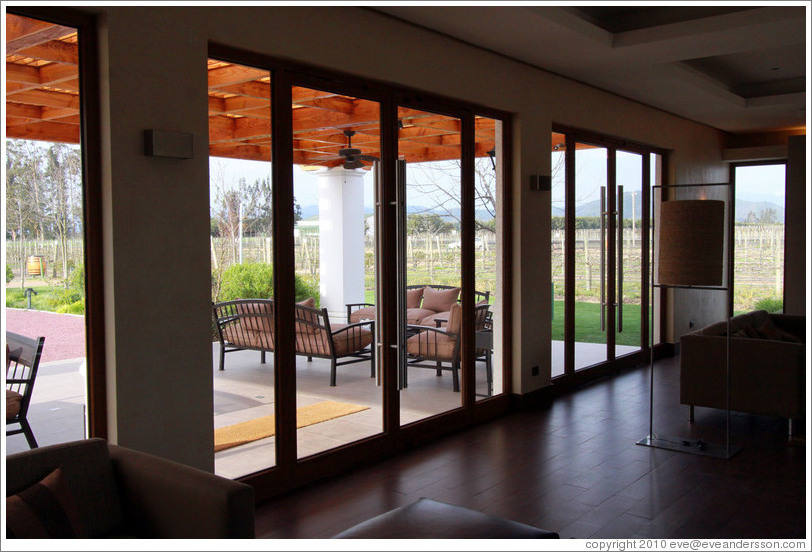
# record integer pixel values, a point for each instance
(42, 103)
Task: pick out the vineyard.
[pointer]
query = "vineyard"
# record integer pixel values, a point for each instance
(759, 261)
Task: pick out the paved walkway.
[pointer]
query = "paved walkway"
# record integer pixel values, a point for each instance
(64, 333)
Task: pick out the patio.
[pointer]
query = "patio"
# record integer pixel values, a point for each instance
(243, 392)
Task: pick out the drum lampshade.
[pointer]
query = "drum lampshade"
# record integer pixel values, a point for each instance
(692, 242)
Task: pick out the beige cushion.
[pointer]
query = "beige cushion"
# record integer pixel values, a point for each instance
(414, 316)
(313, 318)
(13, 403)
(364, 313)
(454, 319)
(256, 316)
(344, 343)
(413, 297)
(430, 320)
(440, 300)
(431, 345)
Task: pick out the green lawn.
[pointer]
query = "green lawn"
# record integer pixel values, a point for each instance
(588, 324)
(15, 298)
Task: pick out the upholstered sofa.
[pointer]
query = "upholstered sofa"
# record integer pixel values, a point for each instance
(424, 304)
(106, 491)
(767, 365)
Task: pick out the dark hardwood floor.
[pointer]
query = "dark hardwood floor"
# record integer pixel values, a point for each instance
(574, 467)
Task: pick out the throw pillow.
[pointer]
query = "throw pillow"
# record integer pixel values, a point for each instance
(413, 297)
(44, 510)
(440, 300)
(769, 330)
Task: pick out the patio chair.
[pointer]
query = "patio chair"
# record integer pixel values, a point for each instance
(438, 348)
(317, 337)
(22, 362)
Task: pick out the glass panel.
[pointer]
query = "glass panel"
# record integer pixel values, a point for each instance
(241, 193)
(430, 146)
(557, 235)
(590, 252)
(758, 274)
(488, 282)
(336, 140)
(45, 286)
(629, 173)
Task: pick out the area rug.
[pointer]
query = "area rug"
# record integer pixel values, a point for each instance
(261, 428)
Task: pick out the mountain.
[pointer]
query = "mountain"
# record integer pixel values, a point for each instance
(744, 208)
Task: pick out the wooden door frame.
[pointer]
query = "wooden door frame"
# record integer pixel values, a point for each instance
(86, 26)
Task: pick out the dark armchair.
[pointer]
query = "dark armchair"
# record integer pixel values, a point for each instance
(22, 362)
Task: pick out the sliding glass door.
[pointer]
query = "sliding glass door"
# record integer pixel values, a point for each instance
(358, 240)
(599, 224)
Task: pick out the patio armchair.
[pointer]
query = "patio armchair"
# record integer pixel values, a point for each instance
(340, 343)
(438, 348)
(22, 362)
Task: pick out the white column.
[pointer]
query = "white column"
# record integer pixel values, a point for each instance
(341, 240)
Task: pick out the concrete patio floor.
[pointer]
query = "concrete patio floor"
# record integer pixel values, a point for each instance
(244, 391)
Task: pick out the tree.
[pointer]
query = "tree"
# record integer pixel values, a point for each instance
(63, 178)
(22, 174)
(440, 181)
(422, 223)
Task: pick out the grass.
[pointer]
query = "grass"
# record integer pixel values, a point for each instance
(588, 324)
(43, 300)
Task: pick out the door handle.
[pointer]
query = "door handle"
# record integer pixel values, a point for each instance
(603, 257)
(619, 263)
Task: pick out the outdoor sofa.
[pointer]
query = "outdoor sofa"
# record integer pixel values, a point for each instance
(249, 324)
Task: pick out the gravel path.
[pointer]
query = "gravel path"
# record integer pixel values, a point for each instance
(64, 333)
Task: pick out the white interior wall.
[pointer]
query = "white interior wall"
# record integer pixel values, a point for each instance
(156, 210)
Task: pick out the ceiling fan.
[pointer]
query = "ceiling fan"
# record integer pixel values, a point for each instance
(353, 158)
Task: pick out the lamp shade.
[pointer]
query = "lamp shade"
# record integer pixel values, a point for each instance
(692, 242)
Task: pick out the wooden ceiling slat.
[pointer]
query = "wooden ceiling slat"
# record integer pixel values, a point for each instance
(46, 131)
(234, 74)
(56, 51)
(45, 98)
(22, 33)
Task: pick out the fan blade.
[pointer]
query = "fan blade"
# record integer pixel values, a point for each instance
(367, 157)
(349, 152)
(353, 164)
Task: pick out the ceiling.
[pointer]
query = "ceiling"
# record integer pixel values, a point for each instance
(735, 68)
(43, 101)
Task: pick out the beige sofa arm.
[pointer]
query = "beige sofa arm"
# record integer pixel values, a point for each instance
(766, 377)
(165, 499)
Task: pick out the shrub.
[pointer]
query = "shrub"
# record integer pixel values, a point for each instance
(255, 281)
(72, 294)
(9, 274)
(770, 304)
(73, 308)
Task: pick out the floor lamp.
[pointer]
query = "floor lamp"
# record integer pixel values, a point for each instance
(691, 256)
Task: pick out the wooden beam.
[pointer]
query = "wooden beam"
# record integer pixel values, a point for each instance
(46, 131)
(235, 74)
(61, 52)
(44, 98)
(22, 33)
(27, 74)
(23, 110)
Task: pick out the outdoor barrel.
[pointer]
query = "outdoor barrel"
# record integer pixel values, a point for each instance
(36, 265)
